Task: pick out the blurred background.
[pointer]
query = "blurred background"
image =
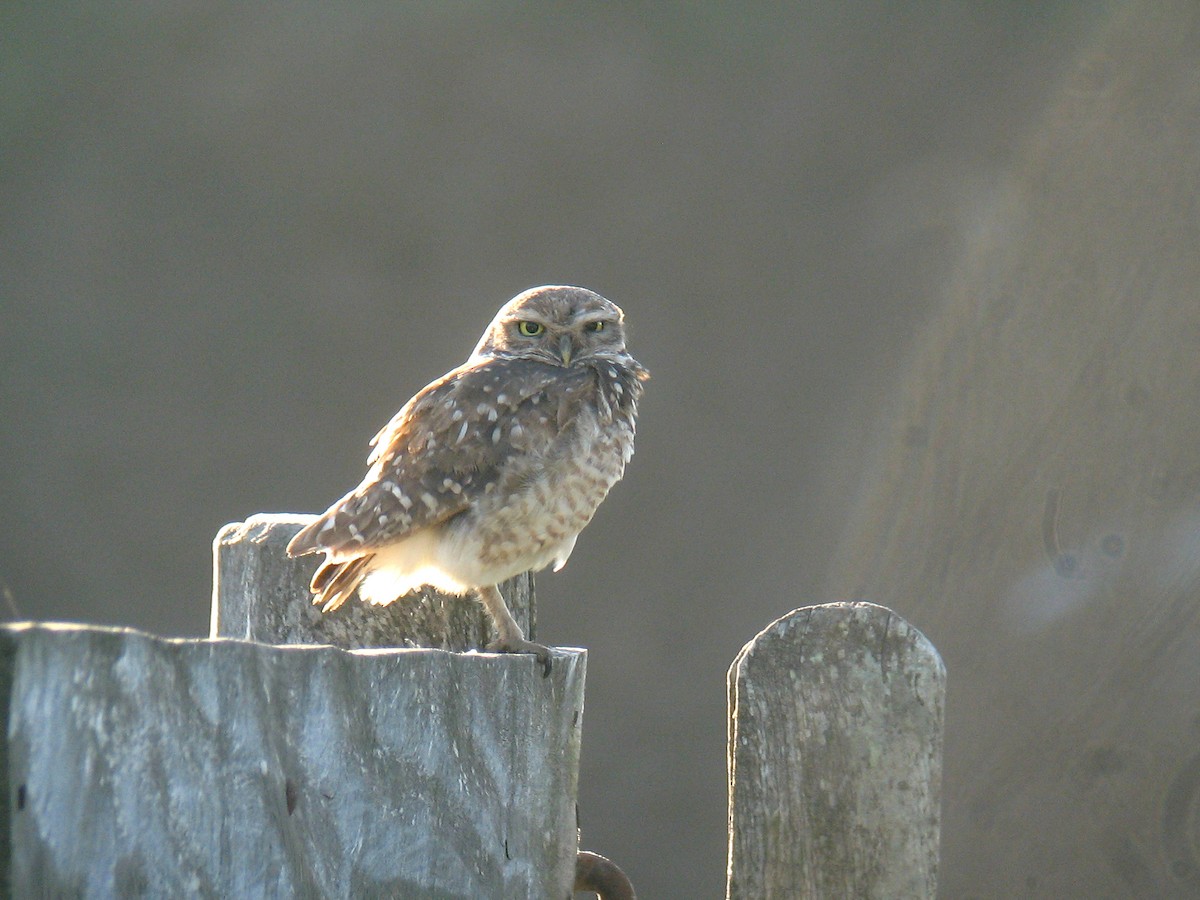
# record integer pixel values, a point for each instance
(234, 238)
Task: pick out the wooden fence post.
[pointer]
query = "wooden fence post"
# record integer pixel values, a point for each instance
(139, 766)
(145, 767)
(835, 745)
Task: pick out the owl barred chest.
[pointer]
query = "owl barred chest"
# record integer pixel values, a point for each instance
(555, 496)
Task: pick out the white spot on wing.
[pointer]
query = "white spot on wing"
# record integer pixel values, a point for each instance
(401, 497)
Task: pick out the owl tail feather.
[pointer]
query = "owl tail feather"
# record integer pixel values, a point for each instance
(334, 582)
(308, 539)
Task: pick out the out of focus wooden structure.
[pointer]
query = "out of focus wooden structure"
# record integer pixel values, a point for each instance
(1035, 502)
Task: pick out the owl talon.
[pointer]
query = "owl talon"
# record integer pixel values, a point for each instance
(520, 645)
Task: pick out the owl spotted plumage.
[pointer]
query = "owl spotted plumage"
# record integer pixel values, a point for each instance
(494, 468)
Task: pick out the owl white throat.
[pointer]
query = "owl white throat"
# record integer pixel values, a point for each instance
(493, 469)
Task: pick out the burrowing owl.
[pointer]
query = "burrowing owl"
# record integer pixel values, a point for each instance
(494, 468)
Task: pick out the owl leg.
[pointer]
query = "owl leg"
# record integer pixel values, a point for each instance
(510, 638)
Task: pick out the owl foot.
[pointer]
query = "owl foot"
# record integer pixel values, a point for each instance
(510, 638)
(520, 645)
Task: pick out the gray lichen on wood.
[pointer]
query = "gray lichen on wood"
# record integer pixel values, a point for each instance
(261, 594)
(139, 766)
(835, 749)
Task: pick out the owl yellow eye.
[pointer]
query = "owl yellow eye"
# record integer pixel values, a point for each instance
(596, 326)
(530, 329)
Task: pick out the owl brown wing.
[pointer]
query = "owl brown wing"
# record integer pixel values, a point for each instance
(448, 445)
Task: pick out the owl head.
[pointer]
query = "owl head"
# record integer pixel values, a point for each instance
(555, 324)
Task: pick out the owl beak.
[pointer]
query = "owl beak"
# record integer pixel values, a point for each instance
(565, 348)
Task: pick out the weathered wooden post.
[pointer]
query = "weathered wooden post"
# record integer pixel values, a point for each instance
(138, 766)
(260, 594)
(835, 743)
